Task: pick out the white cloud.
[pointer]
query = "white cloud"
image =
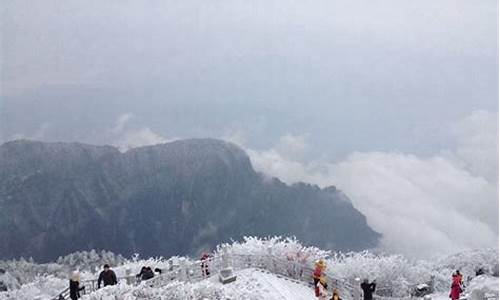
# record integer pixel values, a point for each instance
(235, 136)
(292, 146)
(126, 138)
(39, 134)
(422, 206)
(273, 163)
(139, 137)
(477, 137)
(120, 123)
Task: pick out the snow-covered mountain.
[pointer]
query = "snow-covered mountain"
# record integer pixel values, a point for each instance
(169, 199)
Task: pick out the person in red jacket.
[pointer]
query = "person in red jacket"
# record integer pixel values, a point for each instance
(456, 289)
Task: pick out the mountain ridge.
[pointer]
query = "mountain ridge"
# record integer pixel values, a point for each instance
(173, 198)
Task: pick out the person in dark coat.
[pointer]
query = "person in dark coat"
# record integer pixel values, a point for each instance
(141, 273)
(108, 277)
(74, 286)
(368, 289)
(146, 273)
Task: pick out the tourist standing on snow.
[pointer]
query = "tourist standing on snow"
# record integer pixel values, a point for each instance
(319, 268)
(368, 289)
(74, 286)
(456, 288)
(108, 277)
(204, 264)
(141, 273)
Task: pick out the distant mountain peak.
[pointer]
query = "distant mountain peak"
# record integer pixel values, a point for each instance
(165, 199)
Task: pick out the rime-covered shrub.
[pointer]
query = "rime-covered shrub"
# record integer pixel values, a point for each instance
(468, 262)
(23, 271)
(91, 260)
(286, 248)
(395, 274)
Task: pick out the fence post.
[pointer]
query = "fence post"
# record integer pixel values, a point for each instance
(226, 274)
(127, 274)
(182, 269)
(357, 289)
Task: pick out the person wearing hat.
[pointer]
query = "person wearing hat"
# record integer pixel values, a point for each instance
(74, 286)
(107, 276)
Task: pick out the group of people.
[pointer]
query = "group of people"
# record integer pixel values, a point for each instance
(145, 273)
(321, 286)
(107, 277)
(368, 288)
(456, 285)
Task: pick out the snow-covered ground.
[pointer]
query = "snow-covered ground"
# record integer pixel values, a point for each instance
(251, 284)
(394, 273)
(256, 284)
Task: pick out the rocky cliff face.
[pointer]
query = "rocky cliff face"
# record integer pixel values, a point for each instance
(175, 198)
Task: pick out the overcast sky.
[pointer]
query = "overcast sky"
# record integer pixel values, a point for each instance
(310, 82)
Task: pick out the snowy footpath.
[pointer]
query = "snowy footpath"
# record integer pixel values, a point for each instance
(251, 284)
(259, 284)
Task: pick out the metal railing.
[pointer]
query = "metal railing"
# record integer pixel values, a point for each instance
(194, 272)
(90, 286)
(292, 270)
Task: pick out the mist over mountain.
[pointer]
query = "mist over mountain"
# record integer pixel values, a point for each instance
(175, 198)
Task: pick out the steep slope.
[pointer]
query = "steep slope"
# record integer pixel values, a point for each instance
(175, 198)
